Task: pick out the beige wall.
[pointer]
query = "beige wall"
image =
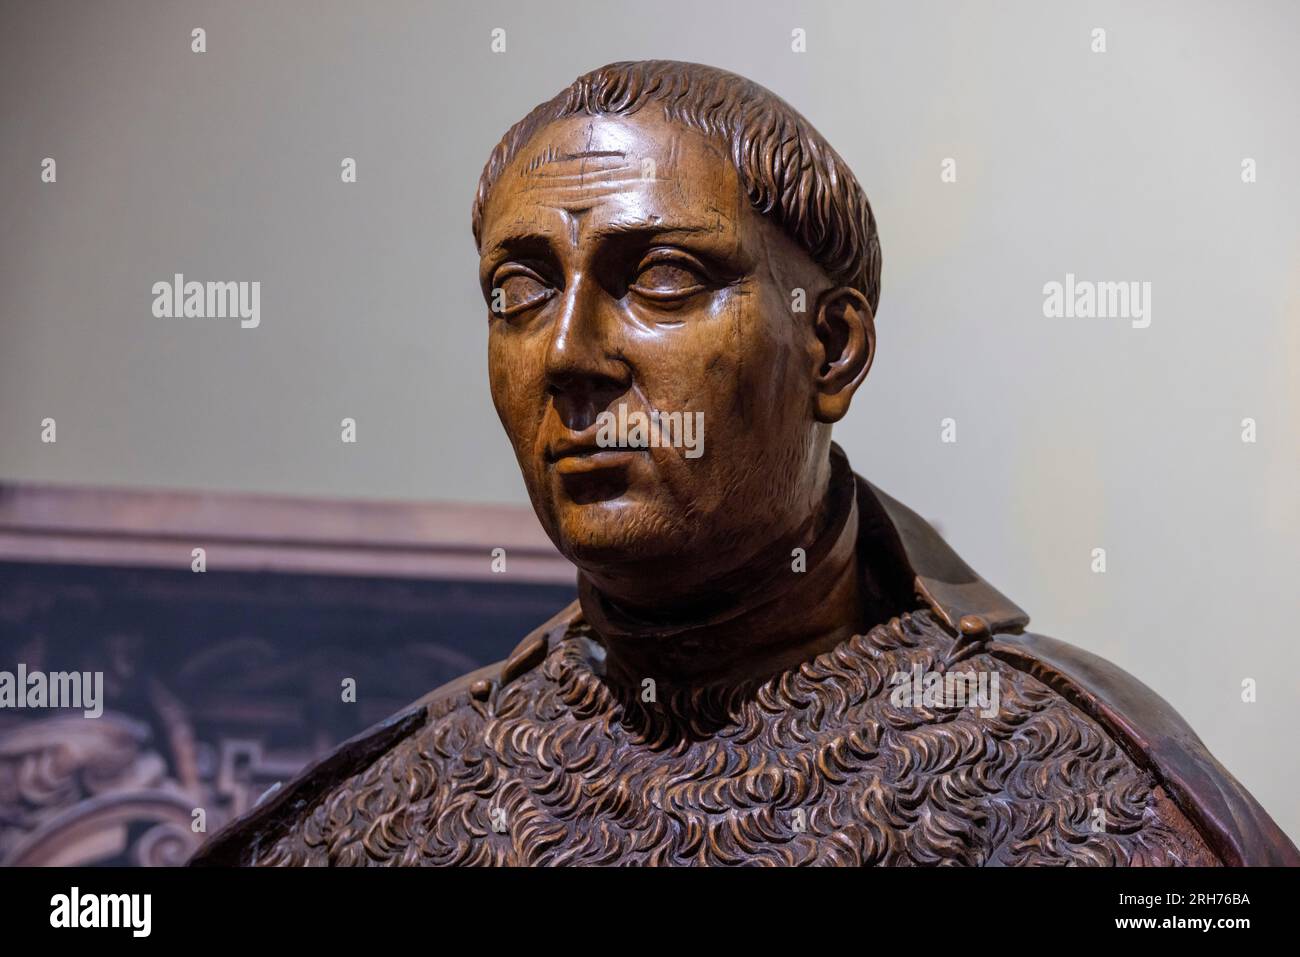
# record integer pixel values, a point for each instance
(1072, 433)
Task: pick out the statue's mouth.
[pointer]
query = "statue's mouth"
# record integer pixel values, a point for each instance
(573, 444)
(603, 481)
(590, 472)
(581, 461)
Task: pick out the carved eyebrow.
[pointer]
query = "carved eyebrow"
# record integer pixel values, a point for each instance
(500, 250)
(512, 243)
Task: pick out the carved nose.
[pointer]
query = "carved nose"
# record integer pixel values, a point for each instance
(584, 371)
(578, 401)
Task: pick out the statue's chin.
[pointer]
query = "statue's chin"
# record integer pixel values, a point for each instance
(620, 534)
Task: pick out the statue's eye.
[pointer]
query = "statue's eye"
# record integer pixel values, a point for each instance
(517, 288)
(665, 276)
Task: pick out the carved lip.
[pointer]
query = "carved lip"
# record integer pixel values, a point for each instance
(581, 445)
(576, 453)
(573, 459)
(596, 459)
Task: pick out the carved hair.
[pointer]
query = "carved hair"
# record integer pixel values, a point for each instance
(790, 173)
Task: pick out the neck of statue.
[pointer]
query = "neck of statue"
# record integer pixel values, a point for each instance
(780, 618)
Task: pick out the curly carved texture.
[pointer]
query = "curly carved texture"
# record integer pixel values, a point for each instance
(813, 766)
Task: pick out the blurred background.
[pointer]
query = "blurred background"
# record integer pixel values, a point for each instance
(372, 559)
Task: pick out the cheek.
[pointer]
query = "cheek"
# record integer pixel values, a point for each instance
(499, 377)
(756, 361)
(739, 367)
(515, 385)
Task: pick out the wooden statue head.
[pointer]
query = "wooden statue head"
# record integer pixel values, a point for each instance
(669, 238)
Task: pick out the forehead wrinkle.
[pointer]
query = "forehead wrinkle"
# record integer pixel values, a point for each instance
(566, 170)
(573, 174)
(586, 154)
(568, 185)
(553, 155)
(565, 187)
(576, 199)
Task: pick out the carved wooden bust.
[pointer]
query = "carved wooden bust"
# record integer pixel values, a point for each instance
(771, 660)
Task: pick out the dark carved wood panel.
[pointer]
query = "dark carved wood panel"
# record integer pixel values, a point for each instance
(216, 686)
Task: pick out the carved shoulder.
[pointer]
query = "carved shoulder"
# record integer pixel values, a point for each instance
(1231, 822)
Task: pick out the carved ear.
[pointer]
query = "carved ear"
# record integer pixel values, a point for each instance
(846, 346)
